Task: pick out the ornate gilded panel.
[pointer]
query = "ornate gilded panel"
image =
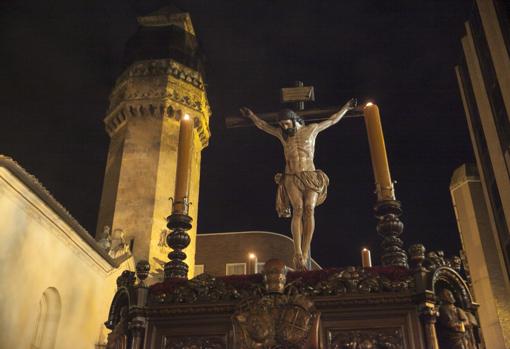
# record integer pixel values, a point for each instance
(377, 338)
(195, 342)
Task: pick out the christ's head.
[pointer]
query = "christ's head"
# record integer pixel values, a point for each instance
(289, 122)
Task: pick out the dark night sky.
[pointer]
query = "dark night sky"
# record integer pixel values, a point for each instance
(59, 61)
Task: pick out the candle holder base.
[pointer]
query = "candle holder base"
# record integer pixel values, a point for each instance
(390, 228)
(178, 240)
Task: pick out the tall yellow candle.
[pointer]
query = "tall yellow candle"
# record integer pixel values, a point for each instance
(184, 155)
(383, 183)
(366, 259)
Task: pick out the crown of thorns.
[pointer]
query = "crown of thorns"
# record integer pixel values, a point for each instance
(289, 114)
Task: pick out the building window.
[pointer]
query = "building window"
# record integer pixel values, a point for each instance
(199, 269)
(260, 267)
(47, 322)
(236, 269)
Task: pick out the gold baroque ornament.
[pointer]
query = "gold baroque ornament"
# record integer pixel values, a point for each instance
(203, 288)
(195, 342)
(206, 288)
(356, 280)
(383, 338)
(277, 319)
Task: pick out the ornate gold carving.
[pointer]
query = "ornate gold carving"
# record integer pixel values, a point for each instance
(126, 279)
(229, 305)
(358, 300)
(380, 338)
(204, 288)
(436, 259)
(355, 280)
(195, 342)
(280, 318)
(276, 320)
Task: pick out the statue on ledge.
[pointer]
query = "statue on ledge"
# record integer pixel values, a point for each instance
(106, 239)
(302, 187)
(119, 246)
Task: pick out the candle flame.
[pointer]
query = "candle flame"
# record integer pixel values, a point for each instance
(365, 249)
(186, 117)
(252, 255)
(369, 104)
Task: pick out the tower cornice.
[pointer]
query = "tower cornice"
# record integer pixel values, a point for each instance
(159, 88)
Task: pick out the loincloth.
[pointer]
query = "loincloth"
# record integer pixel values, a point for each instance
(316, 181)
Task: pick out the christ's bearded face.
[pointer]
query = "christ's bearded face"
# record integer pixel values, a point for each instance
(289, 122)
(289, 127)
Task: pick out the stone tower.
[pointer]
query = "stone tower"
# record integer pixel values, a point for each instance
(163, 80)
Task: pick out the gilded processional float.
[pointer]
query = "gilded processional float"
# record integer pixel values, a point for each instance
(414, 299)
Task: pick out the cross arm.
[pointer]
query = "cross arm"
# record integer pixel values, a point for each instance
(311, 115)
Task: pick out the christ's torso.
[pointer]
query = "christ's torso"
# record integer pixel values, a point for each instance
(299, 149)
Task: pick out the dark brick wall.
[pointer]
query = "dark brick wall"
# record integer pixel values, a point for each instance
(216, 250)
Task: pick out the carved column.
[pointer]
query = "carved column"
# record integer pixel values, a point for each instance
(429, 314)
(425, 298)
(137, 329)
(142, 290)
(138, 324)
(390, 228)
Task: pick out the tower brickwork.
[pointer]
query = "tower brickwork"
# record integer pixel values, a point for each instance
(163, 80)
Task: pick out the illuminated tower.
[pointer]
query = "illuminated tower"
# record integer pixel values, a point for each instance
(163, 79)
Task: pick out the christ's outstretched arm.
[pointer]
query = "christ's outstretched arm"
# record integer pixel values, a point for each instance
(333, 119)
(261, 124)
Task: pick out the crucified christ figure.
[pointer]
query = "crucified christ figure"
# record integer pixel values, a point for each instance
(301, 187)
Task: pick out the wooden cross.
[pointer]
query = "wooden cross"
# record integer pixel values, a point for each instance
(297, 96)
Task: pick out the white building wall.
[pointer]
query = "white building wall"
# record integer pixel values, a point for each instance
(40, 250)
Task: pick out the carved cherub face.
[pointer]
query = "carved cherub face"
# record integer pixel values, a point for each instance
(275, 273)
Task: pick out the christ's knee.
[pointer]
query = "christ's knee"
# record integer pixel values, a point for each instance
(298, 211)
(309, 210)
